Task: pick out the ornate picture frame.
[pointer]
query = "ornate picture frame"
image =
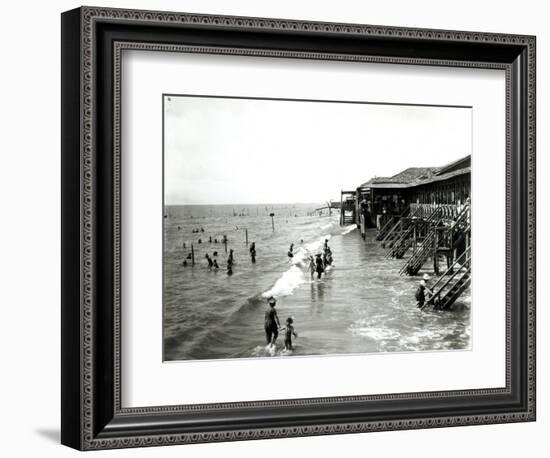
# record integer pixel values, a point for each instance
(92, 413)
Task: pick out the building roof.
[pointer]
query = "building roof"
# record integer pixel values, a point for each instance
(416, 176)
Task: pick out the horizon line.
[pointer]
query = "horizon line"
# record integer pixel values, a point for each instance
(242, 203)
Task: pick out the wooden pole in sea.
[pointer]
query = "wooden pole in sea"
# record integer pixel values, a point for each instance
(272, 221)
(246, 236)
(192, 255)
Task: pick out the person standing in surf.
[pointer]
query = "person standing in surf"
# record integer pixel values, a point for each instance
(272, 323)
(289, 332)
(320, 268)
(253, 252)
(291, 251)
(311, 267)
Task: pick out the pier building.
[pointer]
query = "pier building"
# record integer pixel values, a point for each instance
(422, 215)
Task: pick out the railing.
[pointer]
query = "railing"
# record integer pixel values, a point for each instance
(413, 265)
(396, 250)
(448, 211)
(393, 233)
(464, 261)
(389, 224)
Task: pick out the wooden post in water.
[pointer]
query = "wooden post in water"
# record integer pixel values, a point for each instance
(272, 221)
(192, 255)
(246, 236)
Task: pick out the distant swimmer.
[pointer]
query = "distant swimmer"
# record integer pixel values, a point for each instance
(183, 245)
(229, 268)
(179, 228)
(215, 263)
(289, 332)
(189, 256)
(199, 241)
(326, 245)
(184, 263)
(319, 265)
(209, 259)
(301, 240)
(253, 252)
(312, 267)
(290, 251)
(215, 254)
(231, 259)
(210, 239)
(202, 229)
(271, 324)
(224, 239)
(215, 240)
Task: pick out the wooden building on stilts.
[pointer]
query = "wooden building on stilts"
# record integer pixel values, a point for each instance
(422, 215)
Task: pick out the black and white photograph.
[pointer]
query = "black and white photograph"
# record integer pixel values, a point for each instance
(314, 227)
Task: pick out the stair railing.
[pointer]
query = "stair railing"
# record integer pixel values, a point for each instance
(463, 260)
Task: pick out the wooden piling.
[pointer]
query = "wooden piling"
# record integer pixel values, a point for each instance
(246, 236)
(192, 255)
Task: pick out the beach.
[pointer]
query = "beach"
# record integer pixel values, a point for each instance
(361, 304)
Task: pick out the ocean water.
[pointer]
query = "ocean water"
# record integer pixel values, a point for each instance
(361, 305)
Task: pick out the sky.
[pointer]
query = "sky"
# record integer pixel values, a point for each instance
(233, 150)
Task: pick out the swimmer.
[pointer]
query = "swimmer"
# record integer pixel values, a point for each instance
(311, 266)
(290, 251)
(253, 252)
(271, 322)
(319, 265)
(210, 263)
(289, 332)
(215, 263)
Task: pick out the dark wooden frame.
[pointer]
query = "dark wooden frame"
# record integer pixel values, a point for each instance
(92, 40)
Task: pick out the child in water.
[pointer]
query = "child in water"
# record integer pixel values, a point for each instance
(289, 332)
(312, 267)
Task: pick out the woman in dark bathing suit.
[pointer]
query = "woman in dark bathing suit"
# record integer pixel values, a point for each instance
(272, 324)
(320, 266)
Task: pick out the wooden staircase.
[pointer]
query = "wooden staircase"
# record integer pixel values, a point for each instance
(420, 256)
(405, 239)
(452, 283)
(390, 224)
(428, 247)
(393, 234)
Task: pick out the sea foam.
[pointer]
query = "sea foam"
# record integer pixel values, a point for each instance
(348, 229)
(294, 276)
